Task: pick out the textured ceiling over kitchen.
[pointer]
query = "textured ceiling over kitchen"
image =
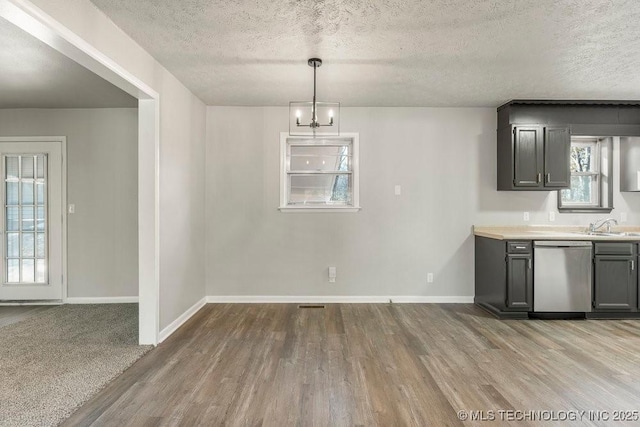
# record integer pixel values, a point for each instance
(391, 52)
(34, 75)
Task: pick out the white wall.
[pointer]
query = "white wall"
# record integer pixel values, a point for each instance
(182, 136)
(102, 176)
(445, 161)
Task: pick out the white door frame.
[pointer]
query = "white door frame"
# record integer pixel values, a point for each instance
(63, 146)
(42, 26)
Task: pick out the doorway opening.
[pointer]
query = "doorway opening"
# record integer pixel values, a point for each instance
(38, 24)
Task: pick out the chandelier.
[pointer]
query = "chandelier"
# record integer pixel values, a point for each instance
(314, 118)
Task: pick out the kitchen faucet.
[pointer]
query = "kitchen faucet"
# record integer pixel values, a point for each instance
(593, 227)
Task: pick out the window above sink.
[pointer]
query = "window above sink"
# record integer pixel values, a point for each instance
(591, 176)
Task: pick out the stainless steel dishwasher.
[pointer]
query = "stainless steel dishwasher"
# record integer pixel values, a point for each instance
(562, 276)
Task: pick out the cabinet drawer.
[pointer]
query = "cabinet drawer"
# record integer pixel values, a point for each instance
(618, 248)
(519, 247)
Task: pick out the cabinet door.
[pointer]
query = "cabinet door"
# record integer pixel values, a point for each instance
(557, 152)
(616, 282)
(519, 282)
(528, 156)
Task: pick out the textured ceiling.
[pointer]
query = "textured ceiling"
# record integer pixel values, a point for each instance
(391, 52)
(33, 75)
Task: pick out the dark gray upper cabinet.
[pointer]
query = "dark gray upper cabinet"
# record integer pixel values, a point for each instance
(519, 168)
(557, 155)
(616, 283)
(527, 152)
(534, 157)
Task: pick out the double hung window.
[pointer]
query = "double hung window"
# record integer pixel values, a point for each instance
(319, 174)
(591, 185)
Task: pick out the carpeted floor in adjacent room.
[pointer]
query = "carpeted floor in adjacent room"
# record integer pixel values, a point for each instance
(57, 359)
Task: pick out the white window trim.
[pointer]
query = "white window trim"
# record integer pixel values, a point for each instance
(590, 207)
(355, 138)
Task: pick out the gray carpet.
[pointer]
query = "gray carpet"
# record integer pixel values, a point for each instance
(53, 362)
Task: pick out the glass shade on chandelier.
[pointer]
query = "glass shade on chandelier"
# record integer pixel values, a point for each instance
(314, 118)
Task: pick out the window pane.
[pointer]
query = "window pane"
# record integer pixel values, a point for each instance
(40, 166)
(27, 193)
(28, 273)
(583, 191)
(13, 245)
(27, 167)
(40, 192)
(41, 218)
(28, 245)
(12, 193)
(40, 245)
(326, 189)
(41, 274)
(320, 158)
(583, 158)
(13, 270)
(12, 167)
(27, 219)
(12, 219)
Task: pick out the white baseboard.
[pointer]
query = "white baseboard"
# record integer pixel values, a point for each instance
(101, 300)
(173, 326)
(19, 303)
(400, 299)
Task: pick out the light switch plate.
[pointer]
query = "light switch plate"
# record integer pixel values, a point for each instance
(398, 190)
(429, 277)
(72, 208)
(552, 216)
(332, 274)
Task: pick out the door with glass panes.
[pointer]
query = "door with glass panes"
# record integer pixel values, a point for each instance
(31, 218)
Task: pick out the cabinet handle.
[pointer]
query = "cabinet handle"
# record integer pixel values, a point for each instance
(529, 263)
(521, 247)
(539, 178)
(633, 265)
(548, 178)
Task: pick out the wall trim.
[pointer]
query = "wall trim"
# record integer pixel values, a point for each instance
(173, 326)
(101, 300)
(345, 299)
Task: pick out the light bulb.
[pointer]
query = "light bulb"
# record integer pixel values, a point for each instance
(331, 113)
(298, 114)
(323, 162)
(307, 161)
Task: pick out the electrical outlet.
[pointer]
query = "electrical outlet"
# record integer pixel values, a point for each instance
(429, 277)
(623, 217)
(397, 190)
(552, 216)
(525, 216)
(72, 208)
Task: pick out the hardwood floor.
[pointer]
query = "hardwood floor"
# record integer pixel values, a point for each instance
(15, 313)
(371, 364)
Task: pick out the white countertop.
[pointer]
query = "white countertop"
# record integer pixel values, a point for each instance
(544, 232)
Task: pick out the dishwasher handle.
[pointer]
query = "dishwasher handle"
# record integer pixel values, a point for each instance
(562, 244)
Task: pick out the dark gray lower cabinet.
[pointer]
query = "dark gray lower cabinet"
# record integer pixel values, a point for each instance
(504, 277)
(616, 282)
(519, 282)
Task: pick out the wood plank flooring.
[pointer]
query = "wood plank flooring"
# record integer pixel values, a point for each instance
(371, 365)
(10, 314)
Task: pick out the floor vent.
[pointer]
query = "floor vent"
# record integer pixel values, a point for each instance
(310, 306)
